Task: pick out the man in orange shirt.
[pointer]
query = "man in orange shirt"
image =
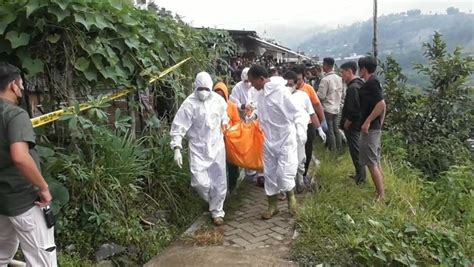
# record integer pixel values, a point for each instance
(234, 118)
(318, 108)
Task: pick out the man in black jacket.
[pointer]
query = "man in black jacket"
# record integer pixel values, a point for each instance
(350, 120)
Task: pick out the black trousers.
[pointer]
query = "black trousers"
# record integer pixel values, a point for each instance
(233, 176)
(309, 147)
(353, 138)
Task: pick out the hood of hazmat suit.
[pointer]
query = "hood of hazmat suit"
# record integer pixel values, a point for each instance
(200, 122)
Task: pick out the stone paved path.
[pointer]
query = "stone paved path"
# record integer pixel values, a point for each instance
(246, 239)
(245, 228)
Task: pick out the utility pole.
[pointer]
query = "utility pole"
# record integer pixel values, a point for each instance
(374, 40)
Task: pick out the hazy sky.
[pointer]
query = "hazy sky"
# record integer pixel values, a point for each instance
(262, 15)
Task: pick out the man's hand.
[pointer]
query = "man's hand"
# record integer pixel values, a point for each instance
(45, 198)
(365, 127)
(251, 117)
(347, 125)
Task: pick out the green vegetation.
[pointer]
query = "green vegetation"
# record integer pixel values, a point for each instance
(428, 216)
(342, 225)
(76, 47)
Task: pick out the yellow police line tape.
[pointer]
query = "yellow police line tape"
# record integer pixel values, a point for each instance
(55, 115)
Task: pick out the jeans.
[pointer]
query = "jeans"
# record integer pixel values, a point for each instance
(353, 140)
(334, 139)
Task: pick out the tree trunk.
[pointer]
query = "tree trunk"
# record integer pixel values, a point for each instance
(374, 41)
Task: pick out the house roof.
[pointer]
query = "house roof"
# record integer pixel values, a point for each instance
(242, 33)
(272, 46)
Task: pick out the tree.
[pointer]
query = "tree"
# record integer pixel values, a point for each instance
(434, 123)
(413, 12)
(452, 11)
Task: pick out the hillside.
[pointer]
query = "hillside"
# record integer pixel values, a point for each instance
(399, 34)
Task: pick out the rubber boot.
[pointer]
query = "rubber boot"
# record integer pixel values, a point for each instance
(292, 205)
(272, 207)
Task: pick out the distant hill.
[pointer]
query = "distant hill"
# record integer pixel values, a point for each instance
(401, 35)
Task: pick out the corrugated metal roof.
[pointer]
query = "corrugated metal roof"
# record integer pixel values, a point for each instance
(279, 47)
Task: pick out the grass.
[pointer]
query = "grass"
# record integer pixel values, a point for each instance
(206, 236)
(342, 224)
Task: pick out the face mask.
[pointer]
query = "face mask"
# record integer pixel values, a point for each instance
(203, 95)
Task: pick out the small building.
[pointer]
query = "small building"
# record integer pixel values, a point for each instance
(252, 47)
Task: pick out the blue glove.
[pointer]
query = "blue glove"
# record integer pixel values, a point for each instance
(324, 125)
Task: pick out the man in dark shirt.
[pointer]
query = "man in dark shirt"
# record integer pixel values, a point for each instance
(350, 120)
(372, 106)
(23, 190)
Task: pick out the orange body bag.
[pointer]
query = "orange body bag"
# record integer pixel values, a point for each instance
(244, 145)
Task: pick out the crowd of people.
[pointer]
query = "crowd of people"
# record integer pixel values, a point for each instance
(292, 109)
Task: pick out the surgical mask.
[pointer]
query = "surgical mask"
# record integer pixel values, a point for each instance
(292, 88)
(203, 95)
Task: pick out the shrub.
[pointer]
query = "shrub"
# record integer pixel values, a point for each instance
(452, 196)
(122, 189)
(434, 121)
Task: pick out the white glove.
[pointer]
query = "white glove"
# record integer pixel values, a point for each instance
(178, 158)
(322, 134)
(301, 134)
(251, 106)
(252, 116)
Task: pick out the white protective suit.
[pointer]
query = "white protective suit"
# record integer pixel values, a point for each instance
(242, 93)
(201, 121)
(302, 102)
(278, 116)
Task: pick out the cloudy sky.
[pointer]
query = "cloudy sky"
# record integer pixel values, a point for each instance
(274, 19)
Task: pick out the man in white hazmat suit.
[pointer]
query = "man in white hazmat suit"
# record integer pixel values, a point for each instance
(277, 114)
(243, 95)
(201, 118)
(240, 93)
(302, 101)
